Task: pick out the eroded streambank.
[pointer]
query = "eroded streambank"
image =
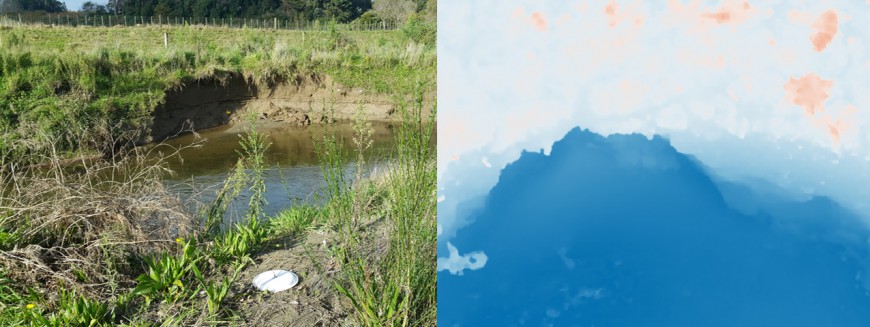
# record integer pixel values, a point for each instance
(312, 99)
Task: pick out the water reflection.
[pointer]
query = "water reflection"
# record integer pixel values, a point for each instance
(292, 173)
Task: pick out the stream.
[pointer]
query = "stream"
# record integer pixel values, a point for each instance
(292, 173)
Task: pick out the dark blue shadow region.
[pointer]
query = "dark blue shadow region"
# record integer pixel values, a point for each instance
(626, 231)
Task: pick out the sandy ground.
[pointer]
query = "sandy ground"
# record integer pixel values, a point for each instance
(312, 302)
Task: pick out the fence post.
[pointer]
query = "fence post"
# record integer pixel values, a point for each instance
(165, 40)
(276, 23)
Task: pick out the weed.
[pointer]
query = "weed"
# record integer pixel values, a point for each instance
(167, 274)
(239, 242)
(217, 292)
(77, 310)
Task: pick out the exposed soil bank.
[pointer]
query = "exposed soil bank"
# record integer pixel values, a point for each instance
(302, 101)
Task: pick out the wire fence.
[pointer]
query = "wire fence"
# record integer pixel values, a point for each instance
(75, 20)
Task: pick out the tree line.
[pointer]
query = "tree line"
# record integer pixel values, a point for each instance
(301, 10)
(9, 6)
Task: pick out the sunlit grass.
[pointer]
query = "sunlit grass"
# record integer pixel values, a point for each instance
(59, 81)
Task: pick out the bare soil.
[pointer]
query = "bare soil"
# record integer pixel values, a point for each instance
(312, 302)
(302, 101)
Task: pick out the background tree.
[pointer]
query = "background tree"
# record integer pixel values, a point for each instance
(306, 10)
(162, 9)
(394, 11)
(338, 10)
(92, 8)
(32, 5)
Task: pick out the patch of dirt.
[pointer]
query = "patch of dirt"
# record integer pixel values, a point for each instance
(312, 302)
(303, 101)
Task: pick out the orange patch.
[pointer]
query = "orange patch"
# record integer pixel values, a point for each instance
(809, 92)
(825, 28)
(617, 14)
(610, 11)
(539, 21)
(719, 17)
(835, 127)
(834, 131)
(731, 12)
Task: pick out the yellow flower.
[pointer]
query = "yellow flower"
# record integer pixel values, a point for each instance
(229, 112)
(178, 240)
(31, 305)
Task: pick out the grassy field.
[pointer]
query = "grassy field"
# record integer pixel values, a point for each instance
(59, 84)
(105, 243)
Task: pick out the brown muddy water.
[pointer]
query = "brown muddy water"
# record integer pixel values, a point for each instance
(292, 173)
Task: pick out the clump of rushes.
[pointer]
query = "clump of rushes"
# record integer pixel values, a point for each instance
(392, 284)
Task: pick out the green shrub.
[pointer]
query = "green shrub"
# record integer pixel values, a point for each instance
(419, 31)
(369, 18)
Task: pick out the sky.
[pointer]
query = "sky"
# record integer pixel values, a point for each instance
(768, 101)
(75, 5)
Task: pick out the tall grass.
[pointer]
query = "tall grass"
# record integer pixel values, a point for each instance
(395, 286)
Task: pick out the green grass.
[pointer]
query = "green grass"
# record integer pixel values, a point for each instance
(92, 219)
(398, 288)
(295, 220)
(61, 83)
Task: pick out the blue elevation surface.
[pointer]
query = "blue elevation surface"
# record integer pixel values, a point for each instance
(626, 231)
